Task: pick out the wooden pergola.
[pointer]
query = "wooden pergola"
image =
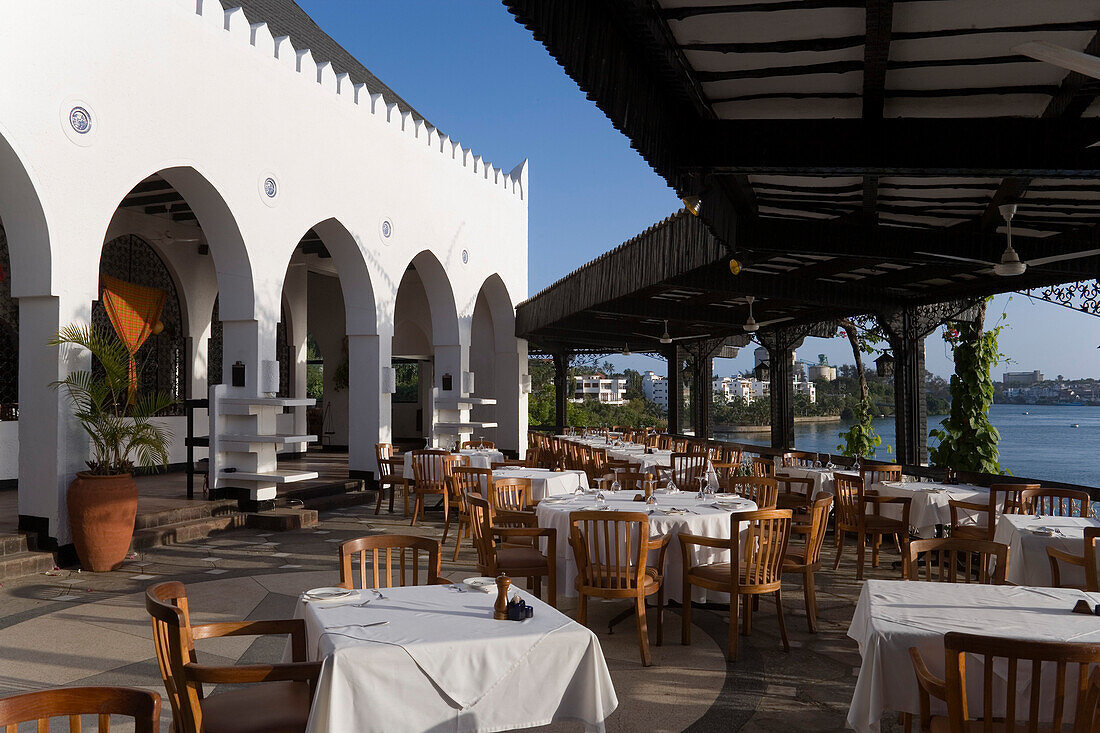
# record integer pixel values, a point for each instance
(851, 157)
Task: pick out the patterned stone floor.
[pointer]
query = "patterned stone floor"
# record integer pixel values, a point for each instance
(83, 628)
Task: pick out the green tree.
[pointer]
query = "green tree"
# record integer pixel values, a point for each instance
(315, 373)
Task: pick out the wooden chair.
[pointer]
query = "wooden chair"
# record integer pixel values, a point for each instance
(1027, 711)
(806, 558)
(1088, 716)
(1008, 496)
(281, 703)
(478, 444)
(431, 469)
(680, 445)
(72, 702)
(510, 494)
(382, 546)
(513, 463)
(852, 504)
(664, 442)
(969, 527)
(1055, 502)
(756, 567)
(1086, 560)
(391, 472)
(952, 560)
(800, 459)
(633, 480)
(877, 473)
(611, 551)
(687, 467)
(763, 491)
(795, 492)
(763, 466)
(518, 554)
(463, 481)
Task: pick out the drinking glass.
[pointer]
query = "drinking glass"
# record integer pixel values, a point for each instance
(615, 485)
(702, 495)
(817, 460)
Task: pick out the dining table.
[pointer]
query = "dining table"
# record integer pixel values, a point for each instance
(822, 477)
(930, 503)
(673, 513)
(544, 482)
(422, 658)
(484, 458)
(893, 615)
(1028, 538)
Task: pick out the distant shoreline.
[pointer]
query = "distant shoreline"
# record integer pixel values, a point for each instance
(720, 428)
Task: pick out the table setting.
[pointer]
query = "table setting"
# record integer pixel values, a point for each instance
(669, 513)
(892, 616)
(434, 658)
(929, 506)
(1028, 536)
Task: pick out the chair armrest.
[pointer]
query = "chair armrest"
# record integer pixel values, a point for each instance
(656, 543)
(442, 581)
(506, 532)
(887, 499)
(247, 673)
(296, 627)
(695, 539)
(929, 684)
(528, 519)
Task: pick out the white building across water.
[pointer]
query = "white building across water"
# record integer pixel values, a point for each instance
(242, 163)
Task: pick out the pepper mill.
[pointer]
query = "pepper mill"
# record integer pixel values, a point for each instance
(500, 608)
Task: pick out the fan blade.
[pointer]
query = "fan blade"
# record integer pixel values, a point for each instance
(960, 259)
(774, 320)
(1060, 56)
(691, 338)
(1062, 257)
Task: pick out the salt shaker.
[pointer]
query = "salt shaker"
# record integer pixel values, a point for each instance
(500, 608)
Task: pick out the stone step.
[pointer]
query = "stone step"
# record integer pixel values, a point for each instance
(11, 544)
(282, 519)
(335, 501)
(186, 531)
(315, 490)
(20, 564)
(196, 510)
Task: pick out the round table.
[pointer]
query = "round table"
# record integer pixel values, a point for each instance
(700, 518)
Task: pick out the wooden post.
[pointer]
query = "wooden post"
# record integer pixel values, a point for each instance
(701, 394)
(561, 390)
(910, 405)
(781, 358)
(675, 390)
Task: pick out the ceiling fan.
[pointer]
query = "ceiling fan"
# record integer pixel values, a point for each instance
(751, 324)
(1065, 58)
(665, 338)
(1011, 265)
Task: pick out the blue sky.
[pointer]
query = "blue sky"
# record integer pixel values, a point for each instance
(479, 76)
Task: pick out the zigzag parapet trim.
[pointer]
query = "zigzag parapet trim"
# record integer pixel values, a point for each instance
(232, 20)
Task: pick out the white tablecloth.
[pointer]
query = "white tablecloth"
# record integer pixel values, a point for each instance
(930, 502)
(700, 520)
(470, 457)
(893, 615)
(650, 462)
(443, 663)
(544, 482)
(822, 477)
(1027, 553)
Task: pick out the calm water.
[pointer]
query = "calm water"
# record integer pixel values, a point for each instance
(1039, 445)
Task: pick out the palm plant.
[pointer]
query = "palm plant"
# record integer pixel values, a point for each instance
(119, 422)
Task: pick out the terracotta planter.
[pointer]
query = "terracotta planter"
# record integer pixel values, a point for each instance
(102, 510)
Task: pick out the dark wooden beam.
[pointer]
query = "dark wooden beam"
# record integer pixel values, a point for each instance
(895, 146)
(849, 67)
(879, 23)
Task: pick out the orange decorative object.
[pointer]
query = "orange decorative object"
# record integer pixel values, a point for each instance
(134, 311)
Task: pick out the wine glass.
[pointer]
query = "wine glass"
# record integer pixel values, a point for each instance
(817, 460)
(601, 500)
(615, 485)
(702, 495)
(829, 463)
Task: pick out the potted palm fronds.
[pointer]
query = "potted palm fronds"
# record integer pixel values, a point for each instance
(102, 501)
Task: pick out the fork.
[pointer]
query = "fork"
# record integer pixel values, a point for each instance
(378, 593)
(457, 588)
(361, 604)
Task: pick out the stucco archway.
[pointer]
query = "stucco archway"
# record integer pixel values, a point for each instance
(497, 360)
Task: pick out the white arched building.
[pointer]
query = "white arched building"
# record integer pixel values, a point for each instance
(293, 192)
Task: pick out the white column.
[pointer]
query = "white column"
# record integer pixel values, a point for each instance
(369, 406)
(52, 444)
(295, 291)
(511, 407)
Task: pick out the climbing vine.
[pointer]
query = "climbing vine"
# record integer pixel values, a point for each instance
(967, 439)
(861, 439)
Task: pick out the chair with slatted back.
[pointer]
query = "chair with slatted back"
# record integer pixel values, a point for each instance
(611, 550)
(431, 468)
(763, 491)
(687, 467)
(465, 480)
(763, 466)
(876, 473)
(410, 553)
(680, 445)
(1055, 502)
(510, 494)
(514, 549)
(798, 459)
(664, 442)
(795, 492)
(806, 557)
(957, 560)
(634, 480)
(72, 702)
(1011, 698)
(1008, 496)
(1057, 558)
(280, 702)
(391, 473)
(756, 568)
(596, 465)
(480, 443)
(852, 503)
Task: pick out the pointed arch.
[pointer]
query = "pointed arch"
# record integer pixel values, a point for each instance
(24, 220)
